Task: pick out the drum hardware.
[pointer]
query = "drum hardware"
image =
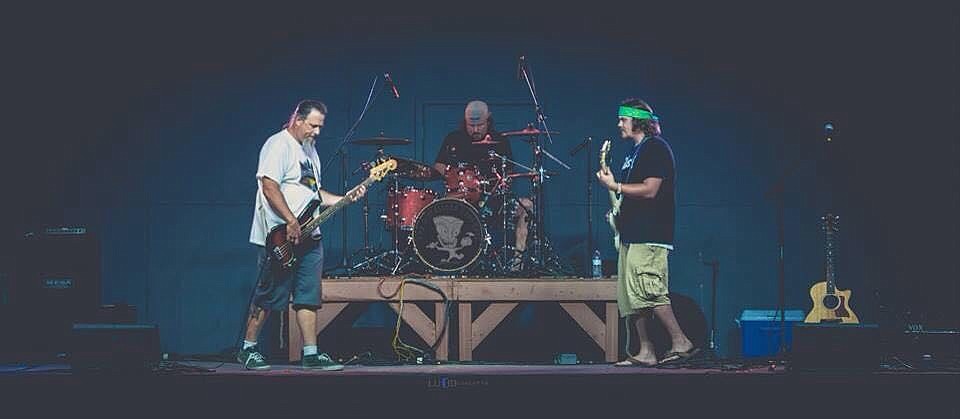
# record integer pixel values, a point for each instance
(464, 181)
(415, 170)
(395, 218)
(401, 209)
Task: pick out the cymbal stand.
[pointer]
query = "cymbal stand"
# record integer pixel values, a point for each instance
(392, 260)
(500, 189)
(367, 251)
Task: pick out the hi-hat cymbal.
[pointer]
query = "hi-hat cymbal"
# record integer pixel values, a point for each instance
(529, 130)
(415, 170)
(381, 141)
(531, 174)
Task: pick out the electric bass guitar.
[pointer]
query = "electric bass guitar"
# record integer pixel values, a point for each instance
(283, 252)
(829, 303)
(614, 199)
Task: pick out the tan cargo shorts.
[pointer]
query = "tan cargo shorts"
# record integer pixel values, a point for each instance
(642, 278)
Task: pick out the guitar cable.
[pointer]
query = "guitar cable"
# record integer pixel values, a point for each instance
(404, 351)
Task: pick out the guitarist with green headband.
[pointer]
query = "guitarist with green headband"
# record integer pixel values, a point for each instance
(645, 223)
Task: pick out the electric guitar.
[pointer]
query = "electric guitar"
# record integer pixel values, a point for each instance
(829, 303)
(614, 199)
(282, 251)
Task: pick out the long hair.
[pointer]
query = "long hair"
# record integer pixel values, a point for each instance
(650, 127)
(304, 107)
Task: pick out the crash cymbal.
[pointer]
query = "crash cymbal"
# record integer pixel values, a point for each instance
(381, 141)
(529, 130)
(415, 170)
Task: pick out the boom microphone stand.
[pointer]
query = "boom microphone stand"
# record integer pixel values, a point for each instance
(539, 152)
(375, 89)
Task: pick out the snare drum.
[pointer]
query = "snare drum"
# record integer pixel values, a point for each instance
(404, 205)
(463, 181)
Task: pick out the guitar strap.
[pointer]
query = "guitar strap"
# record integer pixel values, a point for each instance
(311, 153)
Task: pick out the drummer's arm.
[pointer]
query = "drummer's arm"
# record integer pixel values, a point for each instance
(441, 167)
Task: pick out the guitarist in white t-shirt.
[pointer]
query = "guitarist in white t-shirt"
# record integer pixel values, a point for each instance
(288, 177)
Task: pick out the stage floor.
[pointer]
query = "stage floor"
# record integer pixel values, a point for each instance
(212, 389)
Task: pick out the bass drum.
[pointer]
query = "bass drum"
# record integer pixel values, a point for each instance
(448, 235)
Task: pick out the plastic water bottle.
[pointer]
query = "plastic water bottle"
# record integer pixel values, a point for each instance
(597, 271)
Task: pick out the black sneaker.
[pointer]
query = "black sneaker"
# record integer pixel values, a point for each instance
(320, 362)
(251, 359)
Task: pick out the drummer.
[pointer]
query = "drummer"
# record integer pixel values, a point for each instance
(460, 146)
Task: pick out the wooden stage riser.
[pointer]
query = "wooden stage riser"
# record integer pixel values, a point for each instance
(503, 295)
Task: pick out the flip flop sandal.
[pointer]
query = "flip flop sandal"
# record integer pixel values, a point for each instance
(633, 362)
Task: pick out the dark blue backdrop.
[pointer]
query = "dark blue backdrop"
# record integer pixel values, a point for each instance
(148, 132)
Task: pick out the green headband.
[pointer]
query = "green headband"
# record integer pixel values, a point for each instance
(636, 113)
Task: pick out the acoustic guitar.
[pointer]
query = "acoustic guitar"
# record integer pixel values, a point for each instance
(829, 303)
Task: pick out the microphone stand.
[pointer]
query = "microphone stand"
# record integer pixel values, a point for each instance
(589, 250)
(538, 153)
(714, 273)
(371, 96)
(776, 191)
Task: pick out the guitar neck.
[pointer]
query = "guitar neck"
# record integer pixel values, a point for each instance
(613, 194)
(830, 258)
(329, 211)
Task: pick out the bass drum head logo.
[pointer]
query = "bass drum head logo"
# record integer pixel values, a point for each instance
(448, 235)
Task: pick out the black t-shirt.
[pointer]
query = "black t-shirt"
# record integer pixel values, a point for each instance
(458, 147)
(643, 220)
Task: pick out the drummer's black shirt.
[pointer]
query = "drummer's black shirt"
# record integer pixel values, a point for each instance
(458, 147)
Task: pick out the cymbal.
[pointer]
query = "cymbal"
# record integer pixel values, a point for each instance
(381, 141)
(531, 174)
(415, 170)
(529, 130)
(486, 140)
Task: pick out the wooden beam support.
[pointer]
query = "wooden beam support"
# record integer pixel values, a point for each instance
(588, 321)
(418, 321)
(488, 320)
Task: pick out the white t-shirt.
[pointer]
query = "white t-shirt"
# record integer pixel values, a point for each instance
(296, 168)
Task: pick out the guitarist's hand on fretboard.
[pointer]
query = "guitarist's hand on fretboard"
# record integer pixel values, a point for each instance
(606, 179)
(356, 193)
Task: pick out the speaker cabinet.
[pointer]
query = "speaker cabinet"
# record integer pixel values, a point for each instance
(114, 347)
(57, 283)
(835, 347)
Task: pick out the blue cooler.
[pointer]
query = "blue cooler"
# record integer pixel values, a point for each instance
(760, 330)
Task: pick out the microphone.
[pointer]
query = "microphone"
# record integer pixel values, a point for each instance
(581, 145)
(393, 86)
(520, 63)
